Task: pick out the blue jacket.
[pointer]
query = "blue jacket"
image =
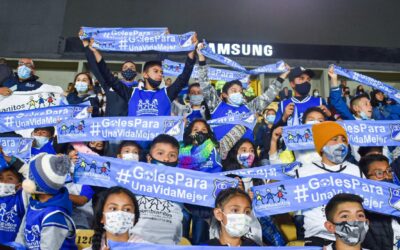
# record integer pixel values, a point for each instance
(29, 84)
(386, 112)
(339, 105)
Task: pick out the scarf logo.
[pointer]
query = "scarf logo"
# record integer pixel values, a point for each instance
(395, 134)
(41, 101)
(394, 200)
(220, 185)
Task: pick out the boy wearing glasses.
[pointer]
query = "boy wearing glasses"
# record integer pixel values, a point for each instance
(384, 232)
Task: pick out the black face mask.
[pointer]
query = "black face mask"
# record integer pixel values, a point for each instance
(98, 151)
(153, 83)
(128, 74)
(162, 163)
(303, 89)
(199, 138)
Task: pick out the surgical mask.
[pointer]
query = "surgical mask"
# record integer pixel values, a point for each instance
(199, 138)
(336, 153)
(352, 232)
(24, 72)
(128, 74)
(153, 83)
(196, 100)
(236, 99)
(364, 116)
(40, 140)
(270, 118)
(303, 89)
(130, 157)
(237, 224)
(81, 87)
(163, 163)
(246, 159)
(316, 94)
(7, 189)
(312, 122)
(118, 222)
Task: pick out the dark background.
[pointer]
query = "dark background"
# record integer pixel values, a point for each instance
(312, 31)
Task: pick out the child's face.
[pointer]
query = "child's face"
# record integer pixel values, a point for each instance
(236, 205)
(164, 152)
(246, 148)
(379, 171)
(8, 177)
(199, 127)
(155, 72)
(346, 211)
(363, 105)
(195, 91)
(42, 132)
(315, 116)
(235, 89)
(99, 145)
(118, 202)
(129, 149)
(337, 140)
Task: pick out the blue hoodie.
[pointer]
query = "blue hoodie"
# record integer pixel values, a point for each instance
(53, 216)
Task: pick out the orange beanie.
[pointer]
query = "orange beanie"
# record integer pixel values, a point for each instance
(324, 131)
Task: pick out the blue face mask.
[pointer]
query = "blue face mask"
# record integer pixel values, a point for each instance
(364, 116)
(236, 99)
(336, 153)
(81, 87)
(40, 141)
(270, 118)
(24, 72)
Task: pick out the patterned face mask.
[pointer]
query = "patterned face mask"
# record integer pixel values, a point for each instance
(118, 222)
(7, 189)
(336, 153)
(352, 232)
(237, 224)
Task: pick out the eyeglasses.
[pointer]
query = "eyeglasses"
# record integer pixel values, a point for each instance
(381, 173)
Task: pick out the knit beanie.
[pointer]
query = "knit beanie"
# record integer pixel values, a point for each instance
(47, 174)
(324, 131)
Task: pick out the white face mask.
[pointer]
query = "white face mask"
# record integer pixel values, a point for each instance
(312, 122)
(40, 140)
(237, 225)
(7, 189)
(130, 157)
(118, 222)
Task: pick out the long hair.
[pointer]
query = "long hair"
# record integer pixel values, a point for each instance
(187, 140)
(231, 162)
(98, 227)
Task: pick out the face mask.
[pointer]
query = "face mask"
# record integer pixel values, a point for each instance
(312, 122)
(236, 99)
(118, 222)
(270, 118)
(364, 116)
(162, 163)
(128, 74)
(336, 153)
(24, 72)
(7, 189)
(352, 232)
(196, 100)
(316, 94)
(237, 224)
(81, 87)
(153, 83)
(199, 138)
(130, 157)
(97, 151)
(246, 159)
(303, 89)
(40, 141)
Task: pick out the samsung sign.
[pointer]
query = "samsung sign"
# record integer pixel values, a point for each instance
(242, 49)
